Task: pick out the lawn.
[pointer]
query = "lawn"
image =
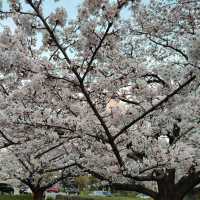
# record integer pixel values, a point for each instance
(15, 197)
(104, 198)
(116, 198)
(28, 197)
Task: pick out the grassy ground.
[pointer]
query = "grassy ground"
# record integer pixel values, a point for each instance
(106, 198)
(15, 197)
(116, 198)
(83, 196)
(28, 197)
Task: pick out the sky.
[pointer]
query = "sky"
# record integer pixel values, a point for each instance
(70, 5)
(49, 5)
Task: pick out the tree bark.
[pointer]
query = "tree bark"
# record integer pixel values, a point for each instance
(38, 195)
(168, 196)
(134, 187)
(167, 189)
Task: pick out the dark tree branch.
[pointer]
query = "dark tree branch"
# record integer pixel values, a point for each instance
(169, 46)
(148, 177)
(93, 173)
(51, 76)
(156, 78)
(48, 126)
(59, 168)
(100, 118)
(9, 142)
(153, 108)
(129, 101)
(55, 158)
(22, 163)
(56, 180)
(48, 150)
(20, 12)
(96, 50)
(134, 187)
(82, 87)
(50, 31)
(98, 137)
(4, 90)
(182, 135)
(152, 167)
(187, 183)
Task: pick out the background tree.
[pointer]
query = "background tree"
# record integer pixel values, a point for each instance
(38, 144)
(82, 182)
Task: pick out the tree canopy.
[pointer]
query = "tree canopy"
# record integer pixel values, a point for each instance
(116, 96)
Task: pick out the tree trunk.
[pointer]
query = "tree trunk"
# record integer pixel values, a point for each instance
(167, 192)
(171, 196)
(167, 189)
(38, 195)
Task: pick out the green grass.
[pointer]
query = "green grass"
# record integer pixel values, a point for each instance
(28, 197)
(104, 198)
(15, 197)
(116, 198)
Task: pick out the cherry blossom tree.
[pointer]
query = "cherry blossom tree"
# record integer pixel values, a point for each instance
(38, 146)
(38, 170)
(128, 87)
(36, 152)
